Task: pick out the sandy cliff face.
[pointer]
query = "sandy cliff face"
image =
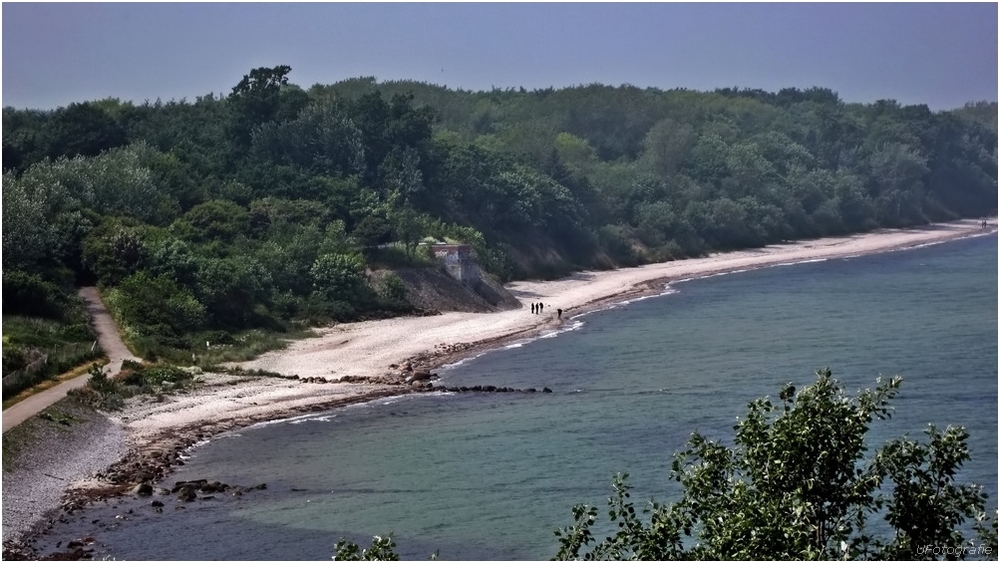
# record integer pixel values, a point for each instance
(433, 290)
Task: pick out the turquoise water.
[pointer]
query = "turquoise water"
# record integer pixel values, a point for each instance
(491, 476)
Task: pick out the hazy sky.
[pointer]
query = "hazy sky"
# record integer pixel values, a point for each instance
(942, 55)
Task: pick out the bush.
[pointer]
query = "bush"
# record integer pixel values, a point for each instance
(155, 306)
(393, 289)
(30, 295)
(795, 484)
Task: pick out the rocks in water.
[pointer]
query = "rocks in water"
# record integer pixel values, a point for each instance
(155, 504)
(194, 485)
(143, 489)
(187, 493)
(487, 389)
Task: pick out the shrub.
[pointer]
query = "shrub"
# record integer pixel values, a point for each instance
(30, 295)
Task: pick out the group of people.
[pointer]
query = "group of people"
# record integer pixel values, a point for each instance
(536, 309)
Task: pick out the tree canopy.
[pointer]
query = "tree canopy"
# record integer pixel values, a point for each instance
(257, 186)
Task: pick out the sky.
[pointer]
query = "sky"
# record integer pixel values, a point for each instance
(939, 54)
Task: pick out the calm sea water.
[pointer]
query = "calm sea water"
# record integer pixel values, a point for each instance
(491, 476)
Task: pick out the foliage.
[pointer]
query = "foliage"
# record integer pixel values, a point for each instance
(796, 485)
(338, 276)
(382, 549)
(45, 329)
(238, 198)
(146, 306)
(30, 295)
(110, 393)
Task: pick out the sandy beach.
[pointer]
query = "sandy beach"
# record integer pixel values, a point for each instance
(367, 349)
(156, 433)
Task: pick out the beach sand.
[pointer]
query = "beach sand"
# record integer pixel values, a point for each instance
(368, 348)
(157, 432)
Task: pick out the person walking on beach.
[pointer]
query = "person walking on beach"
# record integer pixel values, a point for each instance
(540, 307)
(559, 314)
(532, 308)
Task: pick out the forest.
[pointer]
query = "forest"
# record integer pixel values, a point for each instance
(272, 205)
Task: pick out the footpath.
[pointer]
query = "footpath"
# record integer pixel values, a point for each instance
(111, 343)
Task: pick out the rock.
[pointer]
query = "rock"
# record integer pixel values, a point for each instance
(156, 503)
(196, 484)
(187, 493)
(143, 489)
(421, 375)
(546, 390)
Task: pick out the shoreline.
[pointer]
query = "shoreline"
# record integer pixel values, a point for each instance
(374, 352)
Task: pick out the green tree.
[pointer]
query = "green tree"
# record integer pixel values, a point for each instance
(256, 100)
(796, 484)
(339, 277)
(82, 129)
(145, 305)
(114, 250)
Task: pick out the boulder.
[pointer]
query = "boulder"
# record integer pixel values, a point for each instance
(143, 489)
(187, 493)
(421, 375)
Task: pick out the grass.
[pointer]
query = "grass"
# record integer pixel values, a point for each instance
(394, 256)
(48, 384)
(66, 343)
(239, 347)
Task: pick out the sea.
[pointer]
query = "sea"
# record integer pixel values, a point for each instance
(492, 476)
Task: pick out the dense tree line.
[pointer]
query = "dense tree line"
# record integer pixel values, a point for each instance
(270, 203)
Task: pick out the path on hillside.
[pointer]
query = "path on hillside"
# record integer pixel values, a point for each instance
(111, 343)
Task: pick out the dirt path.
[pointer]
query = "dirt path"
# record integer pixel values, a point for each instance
(111, 343)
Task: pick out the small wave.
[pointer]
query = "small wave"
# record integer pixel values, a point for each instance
(322, 418)
(462, 361)
(289, 420)
(514, 345)
(575, 325)
(811, 261)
